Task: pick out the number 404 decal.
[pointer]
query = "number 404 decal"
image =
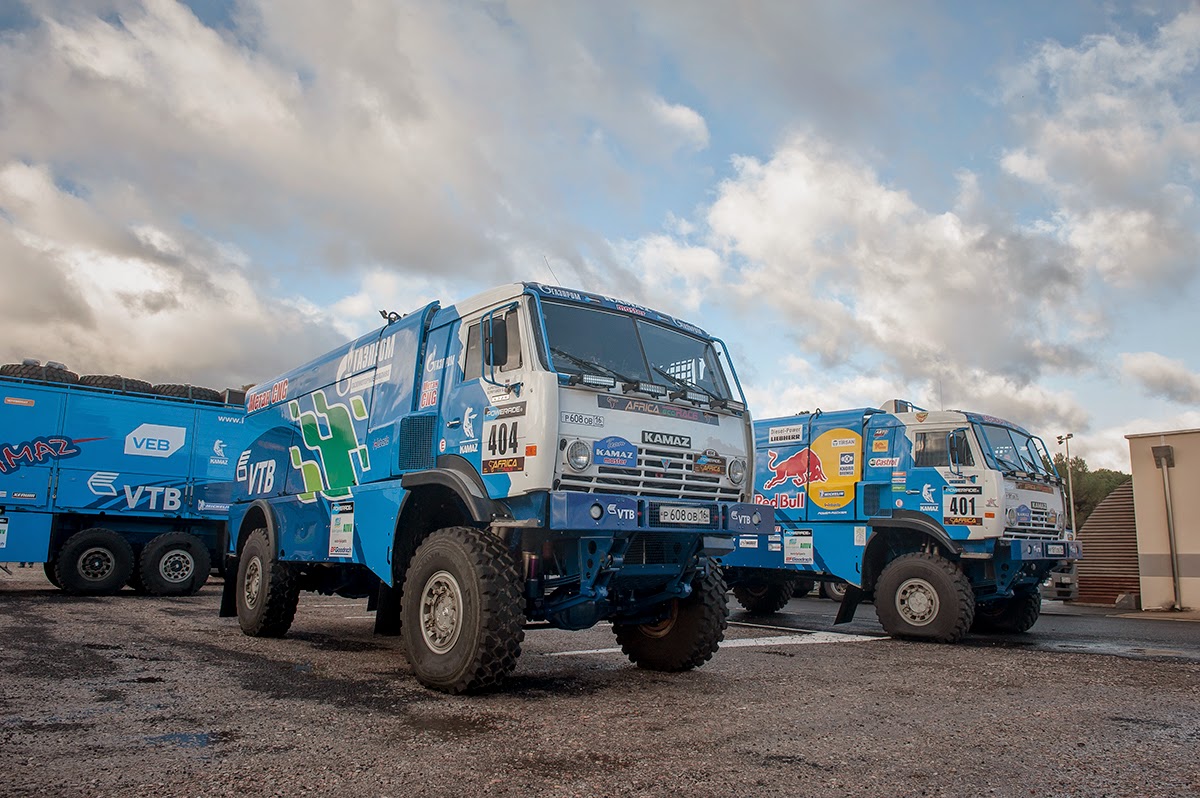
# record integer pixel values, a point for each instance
(502, 439)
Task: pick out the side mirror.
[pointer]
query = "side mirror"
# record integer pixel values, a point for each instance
(954, 440)
(496, 343)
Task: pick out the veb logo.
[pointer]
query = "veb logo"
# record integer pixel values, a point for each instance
(155, 440)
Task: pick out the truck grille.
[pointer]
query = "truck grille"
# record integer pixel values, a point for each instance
(660, 473)
(657, 548)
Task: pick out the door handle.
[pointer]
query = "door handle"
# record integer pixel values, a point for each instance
(454, 422)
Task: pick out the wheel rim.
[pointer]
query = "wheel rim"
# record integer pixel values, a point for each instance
(441, 612)
(177, 566)
(252, 584)
(917, 602)
(97, 564)
(663, 627)
(837, 590)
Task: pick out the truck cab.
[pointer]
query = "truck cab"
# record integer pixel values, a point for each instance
(948, 520)
(579, 456)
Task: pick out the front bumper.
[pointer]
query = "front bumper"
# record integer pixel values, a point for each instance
(1053, 550)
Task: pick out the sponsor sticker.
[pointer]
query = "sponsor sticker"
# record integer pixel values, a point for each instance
(788, 434)
(1036, 486)
(774, 547)
(846, 464)
(883, 462)
(625, 404)
(781, 501)
(842, 443)
(709, 463)
(860, 536)
(155, 440)
(879, 445)
(19, 401)
(881, 433)
(497, 412)
(798, 547)
(963, 520)
(22, 495)
(748, 541)
(3, 533)
(832, 494)
(615, 451)
(429, 394)
(503, 465)
(341, 529)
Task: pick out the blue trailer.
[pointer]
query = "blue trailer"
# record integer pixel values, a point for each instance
(530, 455)
(108, 481)
(948, 520)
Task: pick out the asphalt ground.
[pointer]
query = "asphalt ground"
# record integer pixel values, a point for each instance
(139, 696)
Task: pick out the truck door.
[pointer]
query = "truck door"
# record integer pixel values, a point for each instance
(944, 482)
(485, 414)
(31, 445)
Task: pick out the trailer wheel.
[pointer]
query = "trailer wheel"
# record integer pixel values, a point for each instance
(687, 638)
(924, 596)
(49, 568)
(462, 615)
(1013, 615)
(95, 561)
(765, 597)
(834, 591)
(174, 564)
(802, 587)
(267, 590)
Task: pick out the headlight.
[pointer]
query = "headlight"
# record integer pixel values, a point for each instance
(579, 455)
(1011, 515)
(737, 470)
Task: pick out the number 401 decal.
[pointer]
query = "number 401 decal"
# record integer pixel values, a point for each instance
(962, 505)
(502, 439)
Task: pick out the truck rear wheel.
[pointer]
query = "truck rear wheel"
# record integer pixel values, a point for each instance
(95, 561)
(688, 637)
(1013, 615)
(462, 616)
(174, 564)
(924, 596)
(834, 591)
(765, 597)
(48, 567)
(267, 590)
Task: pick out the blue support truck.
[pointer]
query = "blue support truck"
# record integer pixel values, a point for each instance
(532, 455)
(949, 521)
(107, 481)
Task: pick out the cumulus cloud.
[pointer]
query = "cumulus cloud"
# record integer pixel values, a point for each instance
(1162, 376)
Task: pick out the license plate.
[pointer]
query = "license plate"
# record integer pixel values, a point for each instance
(1056, 550)
(684, 515)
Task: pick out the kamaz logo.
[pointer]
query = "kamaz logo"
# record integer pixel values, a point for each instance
(155, 440)
(666, 439)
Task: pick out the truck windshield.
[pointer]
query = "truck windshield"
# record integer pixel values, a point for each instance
(587, 341)
(1012, 450)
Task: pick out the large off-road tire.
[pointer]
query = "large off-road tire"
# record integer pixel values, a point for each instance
(688, 637)
(26, 371)
(174, 564)
(924, 596)
(267, 590)
(95, 561)
(802, 587)
(116, 382)
(1010, 616)
(462, 613)
(188, 392)
(764, 597)
(834, 591)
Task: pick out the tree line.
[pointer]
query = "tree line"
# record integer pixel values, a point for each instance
(1090, 487)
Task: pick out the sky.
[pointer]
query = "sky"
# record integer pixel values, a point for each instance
(981, 206)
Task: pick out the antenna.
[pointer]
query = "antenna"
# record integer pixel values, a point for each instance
(552, 274)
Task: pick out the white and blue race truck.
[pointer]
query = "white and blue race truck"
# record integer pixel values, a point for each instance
(108, 481)
(949, 521)
(532, 454)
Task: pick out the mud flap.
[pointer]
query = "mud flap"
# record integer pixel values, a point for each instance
(849, 604)
(229, 591)
(387, 610)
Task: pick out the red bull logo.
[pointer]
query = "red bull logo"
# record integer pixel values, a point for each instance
(801, 468)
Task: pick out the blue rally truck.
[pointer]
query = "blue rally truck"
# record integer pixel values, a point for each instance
(109, 481)
(532, 454)
(948, 521)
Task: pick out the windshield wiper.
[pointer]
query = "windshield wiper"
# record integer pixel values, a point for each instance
(684, 385)
(597, 369)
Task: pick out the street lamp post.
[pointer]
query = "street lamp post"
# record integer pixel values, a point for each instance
(1065, 440)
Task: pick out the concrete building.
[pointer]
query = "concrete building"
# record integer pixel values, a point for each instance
(1166, 492)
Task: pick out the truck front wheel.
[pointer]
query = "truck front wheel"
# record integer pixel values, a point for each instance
(267, 590)
(687, 638)
(1013, 615)
(765, 597)
(924, 596)
(174, 564)
(462, 617)
(95, 561)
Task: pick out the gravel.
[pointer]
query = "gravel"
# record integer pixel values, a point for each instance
(140, 696)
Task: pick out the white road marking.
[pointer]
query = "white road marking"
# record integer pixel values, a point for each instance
(751, 642)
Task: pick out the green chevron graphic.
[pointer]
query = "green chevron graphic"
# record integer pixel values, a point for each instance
(332, 472)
